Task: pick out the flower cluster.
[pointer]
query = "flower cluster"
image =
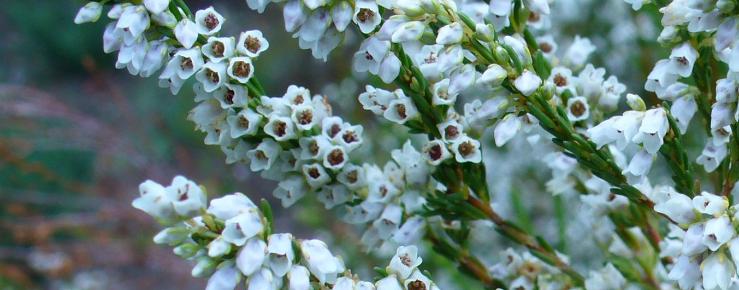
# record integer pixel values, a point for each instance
(230, 240)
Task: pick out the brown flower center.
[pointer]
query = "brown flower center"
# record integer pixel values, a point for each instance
(252, 44)
(560, 80)
(336, 157)
(211, 21)
(451, 132)
(242, 69)
(577, 109)
(218, 49)
(365, 14)
(466, 148)
(435, 152)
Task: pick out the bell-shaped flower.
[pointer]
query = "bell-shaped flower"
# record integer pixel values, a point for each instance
(712, 156)
(436, 152)
(683, 110)
(660, 77)
(186, 196)
(717, 272)
(709, 203)
(401, 110)
(367, 15)
(225, 278)
(219, 48)
(299, 278)
(718, 231)
(640, 164)
(186, 32)
(319, 260)
(389, 283)
(461, 79)
(678, 207)
(252, 43)
(683, 58)
(290, 190)
(506, 129)
(493, 76)
(578, 109)
(218, 247)
(208, 21)
(578, 52)
(466, 149)
(156, 6)
(693, 240)
(231, 205)
(409, 31)
(389, 68)
(280, 253)
(653, 129)
(239, 229)
(527, 83)
(450, 34)
(89, 13)
(154, 201)
(314, 26)
(212, 76)
(405, 261)
(264, 279)
(251, 257)
(342, 14)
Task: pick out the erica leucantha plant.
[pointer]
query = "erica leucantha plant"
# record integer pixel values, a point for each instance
(646, 209)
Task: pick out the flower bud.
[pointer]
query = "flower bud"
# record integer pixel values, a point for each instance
(171, 236)
(635, 102)
(204, 267)
(186, 250)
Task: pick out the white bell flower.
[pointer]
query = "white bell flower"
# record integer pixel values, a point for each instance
(467, 149)
(366, 15)
(427, 60)
(660, 77)
(187, 197)
(252, 256)
(134, 21)
(640, 164)
(350, 137)
(653, 129)
(89, 13)
(240, 228)
(333, 195)
(436, 152)
(252, 43)
(389, 68)
(225, 278)
(693, 240)
(717, 272)
(352, 176)
(281, 255)
(156, 6)
(240, 69)
(299, 278)
(717, 232)
(411, 231)
(212, 75)
(264, 279)
(315, 175)
(611, 93)
(208, 21)
(409, 31)
(501, 7)
(335, 158)
(677, 207)
(389, 283)
(683, 58)
(418, 280)
(606, 278)
(709, 203)
(389, 221)
(527, 83)
(290, 190)
(401, 110)
(683, 110)
(628, 126)
(246, 122)
(154, 201)
(184, 64)
(319, 260)
(450, 34)
(231, 205)
(686, 272)
(218, 247)
(506, 129)
(605, 132)
(262, 157)
(370, 54)
(577, 54)
(314, 26)
(493, 76)
(712, 156)
(578, 109)
(462, 78)
(219, 48)
(342, 14)
(405, 261)
(186, 32)
(280, 128)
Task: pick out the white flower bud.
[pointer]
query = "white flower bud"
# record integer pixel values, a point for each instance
(204, 267)
(281, 255)
(251, 257)
(299, 278)
(89, 13)
(450, 34)
(186, 32)
(156, 6)
(321, 263)
(243, 227)
(527, 83)
(218, 247)
(225, 278)
(409, 31)
(718, 231)
(717, 272)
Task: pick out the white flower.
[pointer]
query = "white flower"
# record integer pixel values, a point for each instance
(467, 149)
(406, 260)
(240, 69)
(246, 122)
(244, 226)
(436, 152)
(462, 79)
(133, 22)
(506, 129)
(709, 203)
(342, 15)
(401, 110)
(653, 129)
(262, 157)
(186, 196)
(352, 176)
(208, 21)
(501, 7)
(324, 266)
(683, 110)
(252, 43)
(280, 251)
(366, 15)
(156, 6)
(280, 128)
(578, 109)
(203, 267)
(218, 247)
(333, 195)
(370, 54)
(89, 13)
(225, 278)
(389, 68)
(562, 79)
(251, 257)
(660, 77)
(527, 83)
(186, 32)
(315, 175)
(409, 31)
(718, 231)
(389, 221)
(677, 207)
(712, 156)
(683, 58)
(212, 75)
(389, 283)
(299, 278)
(493, 75)
(314, 26)
(687, 273)
(231, 205)
(290, 190)
(450, 34)
(606, 278)
(578, 52)
(263, 279)
(335, 158)
(640, 164)
(154, 201)
(219, 48)
(693, 240)
(184, 64)
(611, 93)
(717, 272)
